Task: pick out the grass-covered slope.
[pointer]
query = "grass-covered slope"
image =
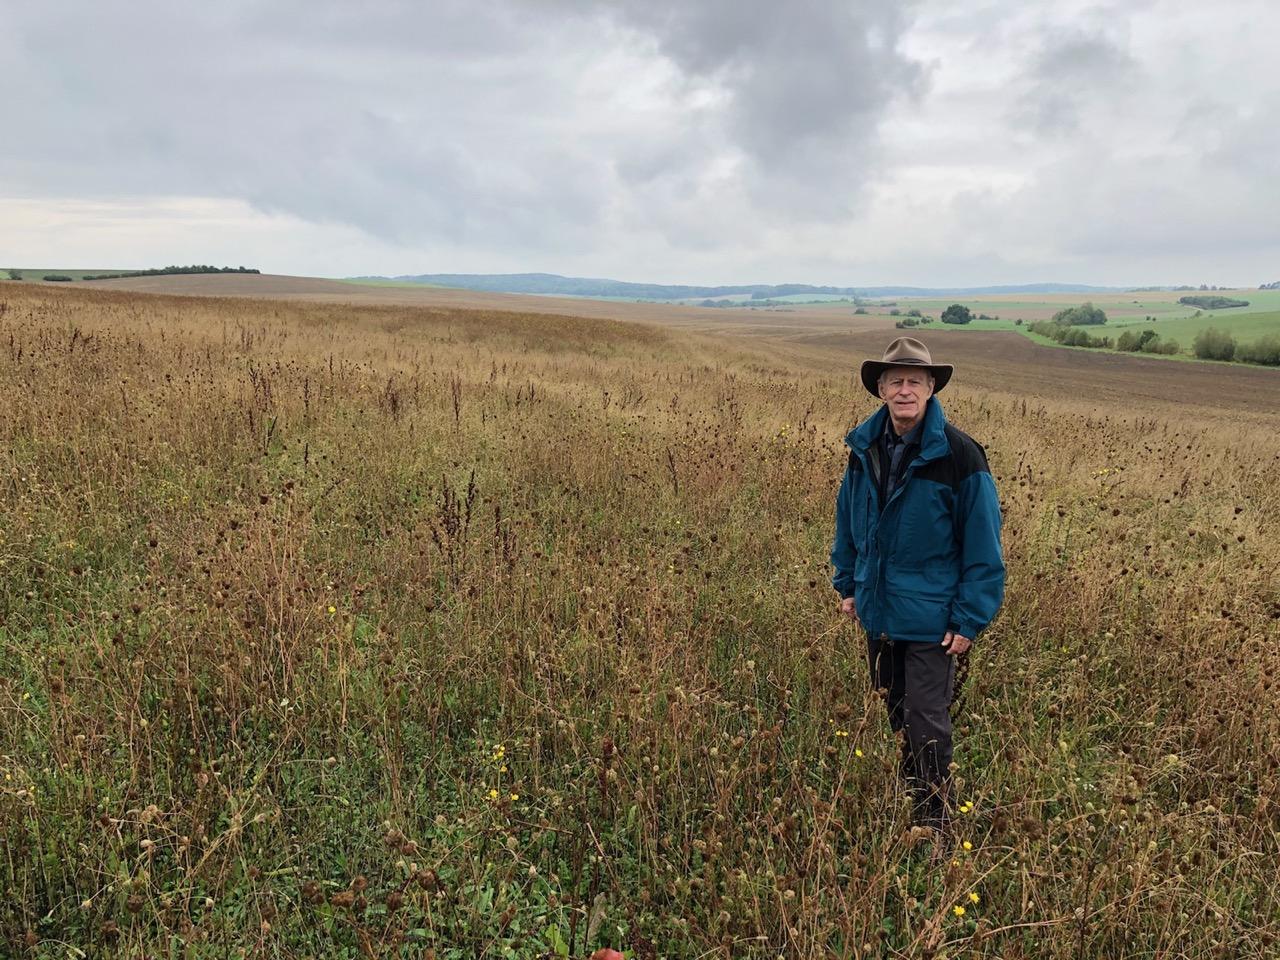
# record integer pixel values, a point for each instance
(346, 632)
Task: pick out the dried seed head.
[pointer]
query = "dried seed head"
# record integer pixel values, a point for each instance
(428, 880)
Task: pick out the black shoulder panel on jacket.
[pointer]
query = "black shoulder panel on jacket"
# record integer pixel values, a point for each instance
(968, 453)
(965, 458)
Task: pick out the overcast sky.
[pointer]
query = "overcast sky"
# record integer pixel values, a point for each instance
(938, 142)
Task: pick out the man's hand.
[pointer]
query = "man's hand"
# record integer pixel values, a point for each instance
(849, 609)
(955, 644)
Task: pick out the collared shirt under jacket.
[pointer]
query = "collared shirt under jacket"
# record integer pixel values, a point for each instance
(927, 559)
(896, 448)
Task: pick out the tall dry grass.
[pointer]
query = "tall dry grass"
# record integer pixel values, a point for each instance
(344, 632)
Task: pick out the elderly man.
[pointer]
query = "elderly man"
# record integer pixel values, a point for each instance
(917, 558)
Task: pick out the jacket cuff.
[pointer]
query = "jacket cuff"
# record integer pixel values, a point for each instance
(969, 630)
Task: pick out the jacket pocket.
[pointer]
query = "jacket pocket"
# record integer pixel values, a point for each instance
(916, 616)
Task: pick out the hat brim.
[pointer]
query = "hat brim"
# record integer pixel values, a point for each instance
(871, 370)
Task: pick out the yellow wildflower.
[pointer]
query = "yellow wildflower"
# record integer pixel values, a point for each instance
(958, 910)
(974, 898)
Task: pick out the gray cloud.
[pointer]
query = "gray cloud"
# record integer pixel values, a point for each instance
(473, 124)
(831, 142)
(806, 85)
(807, 72)
(1070, 73)
(407, 126)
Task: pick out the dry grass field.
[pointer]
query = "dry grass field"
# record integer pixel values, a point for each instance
(318, 290)
(341, 629)
(830, 339)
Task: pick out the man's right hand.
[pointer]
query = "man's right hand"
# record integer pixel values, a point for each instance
(849, 609)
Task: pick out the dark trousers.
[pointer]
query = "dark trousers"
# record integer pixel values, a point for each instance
(916, 680)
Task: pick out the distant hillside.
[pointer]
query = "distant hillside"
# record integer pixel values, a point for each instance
(32, 275)
(555, 285)
(981, 291)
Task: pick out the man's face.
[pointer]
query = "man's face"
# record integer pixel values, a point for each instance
(906, 390)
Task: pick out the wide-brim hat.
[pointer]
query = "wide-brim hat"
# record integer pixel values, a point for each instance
(904, 352)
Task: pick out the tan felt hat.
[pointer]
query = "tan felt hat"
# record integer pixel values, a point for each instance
(905, 352)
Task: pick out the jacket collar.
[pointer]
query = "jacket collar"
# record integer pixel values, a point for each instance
(933, 439)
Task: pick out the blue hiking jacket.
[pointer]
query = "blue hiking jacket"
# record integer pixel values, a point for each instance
(929, 559)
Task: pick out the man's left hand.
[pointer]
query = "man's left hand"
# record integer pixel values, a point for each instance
(955, 644)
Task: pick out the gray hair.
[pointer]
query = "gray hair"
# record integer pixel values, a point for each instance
(885, 372)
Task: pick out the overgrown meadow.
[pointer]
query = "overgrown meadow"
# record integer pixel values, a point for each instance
(380, 632)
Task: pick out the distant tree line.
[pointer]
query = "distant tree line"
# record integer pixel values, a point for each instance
(1148, 341)
(1214, 344)
(1180, 287)
(1085, 315)
(914, 319)
(1064, 327)
(1210, 344)
(164, 271)
(1069, 335)
(1213, 303)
